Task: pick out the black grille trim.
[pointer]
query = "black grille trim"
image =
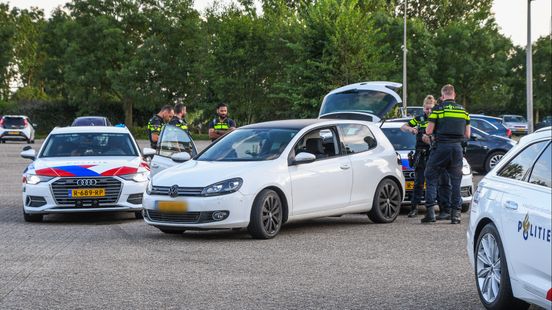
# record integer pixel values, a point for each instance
(182, 191)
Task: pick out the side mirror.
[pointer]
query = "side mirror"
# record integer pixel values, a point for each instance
(34, 125)
(371, 142)
(181, 157)
(148, 152)
(27, 147)
(29, 154)
(303, 158)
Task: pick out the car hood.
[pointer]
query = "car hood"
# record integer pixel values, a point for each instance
(87, 167)
(203, 173)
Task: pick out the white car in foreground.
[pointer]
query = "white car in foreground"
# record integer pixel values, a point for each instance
(509, 238)
(263, 175)
(84, 169)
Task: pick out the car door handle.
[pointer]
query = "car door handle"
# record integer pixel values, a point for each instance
(344, 167)
(154, 165)
(511, 205)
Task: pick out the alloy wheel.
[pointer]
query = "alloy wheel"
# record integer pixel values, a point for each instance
(494, 160)
(272, 214)
(488, 268)
(389, 200)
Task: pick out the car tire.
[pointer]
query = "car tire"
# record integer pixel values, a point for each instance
(492, 160)
(138, 215)
(172, 231)
(34, 218)
(465, 207)
(387, 202)
(2, 141)
(491, 272)
(266, 217)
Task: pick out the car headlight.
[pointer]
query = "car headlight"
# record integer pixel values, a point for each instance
(136, 177)
(223, 187)
(466, 169)
(149, 188)
(35, 179)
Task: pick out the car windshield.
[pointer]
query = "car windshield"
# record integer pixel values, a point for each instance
(375, 102)
(89, 144)
(89, 121)
(249, 145)
(415, 111)
(514, 119)
(402, 141)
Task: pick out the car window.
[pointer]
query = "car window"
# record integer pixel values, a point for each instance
(355, 138)
(370, 101)
(89, 144)
(174, 140)
(322, 143)
(514, 119)
(517, 167)
(542, 171)
(89, 121)
(483, 125)
(13, 122)
(401, 141)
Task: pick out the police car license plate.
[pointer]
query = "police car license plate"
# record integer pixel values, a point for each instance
(13, 132)
(172, 206)
(87, 192)
(410, 185)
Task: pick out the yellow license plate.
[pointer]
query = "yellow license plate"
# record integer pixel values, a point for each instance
(13, 132)
(410, 185)
(87, 192)
(172, 206)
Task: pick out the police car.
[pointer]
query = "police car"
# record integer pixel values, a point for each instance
(509, 237)
(405, 143)
(84, 169)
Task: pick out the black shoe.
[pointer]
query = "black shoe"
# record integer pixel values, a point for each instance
(413, 212)
(455, 216)
(430, 216)
(443, 216)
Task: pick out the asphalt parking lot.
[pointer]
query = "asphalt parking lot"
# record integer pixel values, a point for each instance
(114, 261)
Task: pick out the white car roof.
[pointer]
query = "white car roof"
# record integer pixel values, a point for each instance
(383, 86)
(84, 129)
(540, 134)
(392, 124)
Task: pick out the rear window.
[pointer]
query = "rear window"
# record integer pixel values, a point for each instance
(370, 101)
(89, 121)
(14, 121)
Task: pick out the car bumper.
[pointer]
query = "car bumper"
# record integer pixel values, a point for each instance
(199, 212)
(38, 199)
(466, 191)
(13, 135)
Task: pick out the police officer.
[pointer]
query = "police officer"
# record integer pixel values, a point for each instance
(179, 118)
(221, 124)
(417, 126)
(156, 123)
(449, 125)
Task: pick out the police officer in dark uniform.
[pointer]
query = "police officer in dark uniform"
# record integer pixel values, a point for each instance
(156, 123)
(417, 126)
(221, 124)
(448, 127)
(179, 118)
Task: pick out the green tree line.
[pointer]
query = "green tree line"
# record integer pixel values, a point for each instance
(126, 58)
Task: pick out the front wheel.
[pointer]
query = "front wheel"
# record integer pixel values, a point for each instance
(492, 160)
(387, 202)
(491, 272)
(266, 215)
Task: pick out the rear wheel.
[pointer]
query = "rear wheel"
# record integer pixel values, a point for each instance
(32, 217)
(266, 215)
(491, 272)
(387, 202)
(492, 160)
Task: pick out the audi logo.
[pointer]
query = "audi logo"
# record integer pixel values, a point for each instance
(173, 191)
(411, 174)
(87, 182)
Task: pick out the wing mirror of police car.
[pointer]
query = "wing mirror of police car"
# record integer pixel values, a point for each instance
(181, 157)
(303, 158)
(148, 152)
(28, 153)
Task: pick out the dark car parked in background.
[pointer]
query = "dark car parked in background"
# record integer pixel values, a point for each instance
(546, 121)
(91, 121)
(490, 124)
(484, 151)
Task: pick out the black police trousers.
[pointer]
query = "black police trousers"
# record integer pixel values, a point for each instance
(445, 157)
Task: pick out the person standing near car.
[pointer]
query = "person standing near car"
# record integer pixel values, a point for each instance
(449, 125)
(417, 126)
(179, 118)
(221, 124)
(156, 123)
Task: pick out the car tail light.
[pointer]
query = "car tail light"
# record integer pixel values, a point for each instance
(2, 122)
(25, 123)
(509, 132)
(549, 294)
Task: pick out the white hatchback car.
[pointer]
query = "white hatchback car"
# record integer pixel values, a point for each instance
(509, 237)
(84, 169)
(263, 175)
(16, 127)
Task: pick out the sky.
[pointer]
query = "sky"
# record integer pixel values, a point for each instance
(511, 15)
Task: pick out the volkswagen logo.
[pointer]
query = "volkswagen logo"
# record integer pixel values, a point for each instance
(87, 182)
(173, 191)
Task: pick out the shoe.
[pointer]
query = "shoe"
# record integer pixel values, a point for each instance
(413, 211)
(455, 216)
(444, 215)
(430, 216)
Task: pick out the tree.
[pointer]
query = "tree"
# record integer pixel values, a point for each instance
(7, 32)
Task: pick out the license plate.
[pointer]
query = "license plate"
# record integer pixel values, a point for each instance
(172, 206)
(87, 192)
(13, 132)
(410, 185)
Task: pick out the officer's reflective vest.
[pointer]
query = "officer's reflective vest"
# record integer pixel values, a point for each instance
(220, 125)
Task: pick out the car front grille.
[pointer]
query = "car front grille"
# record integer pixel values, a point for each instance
(182, 191)
(177, 218)
(61, 187)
